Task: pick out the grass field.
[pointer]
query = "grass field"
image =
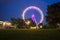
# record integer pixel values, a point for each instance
(18, 34)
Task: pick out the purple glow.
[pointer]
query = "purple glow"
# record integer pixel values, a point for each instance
(34, 19)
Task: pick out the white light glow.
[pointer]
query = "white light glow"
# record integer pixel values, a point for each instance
(28, 22)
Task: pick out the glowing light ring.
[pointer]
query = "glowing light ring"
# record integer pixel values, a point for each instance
(36, 8)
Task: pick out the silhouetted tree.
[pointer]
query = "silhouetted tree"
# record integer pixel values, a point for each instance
(13, 21)
(53, 15)
(18, 22)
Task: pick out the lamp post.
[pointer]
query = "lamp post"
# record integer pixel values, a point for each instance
(28, 22)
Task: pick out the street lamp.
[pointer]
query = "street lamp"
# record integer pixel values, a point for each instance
(28, 22)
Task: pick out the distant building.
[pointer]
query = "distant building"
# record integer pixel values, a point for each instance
(5, 24)
(1, 24)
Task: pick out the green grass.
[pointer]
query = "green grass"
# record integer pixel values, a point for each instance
(17, 34)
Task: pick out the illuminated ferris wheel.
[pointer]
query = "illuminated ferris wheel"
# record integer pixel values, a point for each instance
(33, 16)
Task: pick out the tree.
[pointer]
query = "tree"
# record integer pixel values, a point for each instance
(18, 22)
(13, 21)
(53, 15)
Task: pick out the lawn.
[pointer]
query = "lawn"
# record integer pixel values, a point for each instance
(18, 34)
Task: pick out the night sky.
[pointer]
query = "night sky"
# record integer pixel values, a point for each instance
(14, 8)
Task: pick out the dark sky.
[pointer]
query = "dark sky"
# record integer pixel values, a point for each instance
(14, 8)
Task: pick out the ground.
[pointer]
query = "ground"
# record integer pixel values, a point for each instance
(27, 34)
